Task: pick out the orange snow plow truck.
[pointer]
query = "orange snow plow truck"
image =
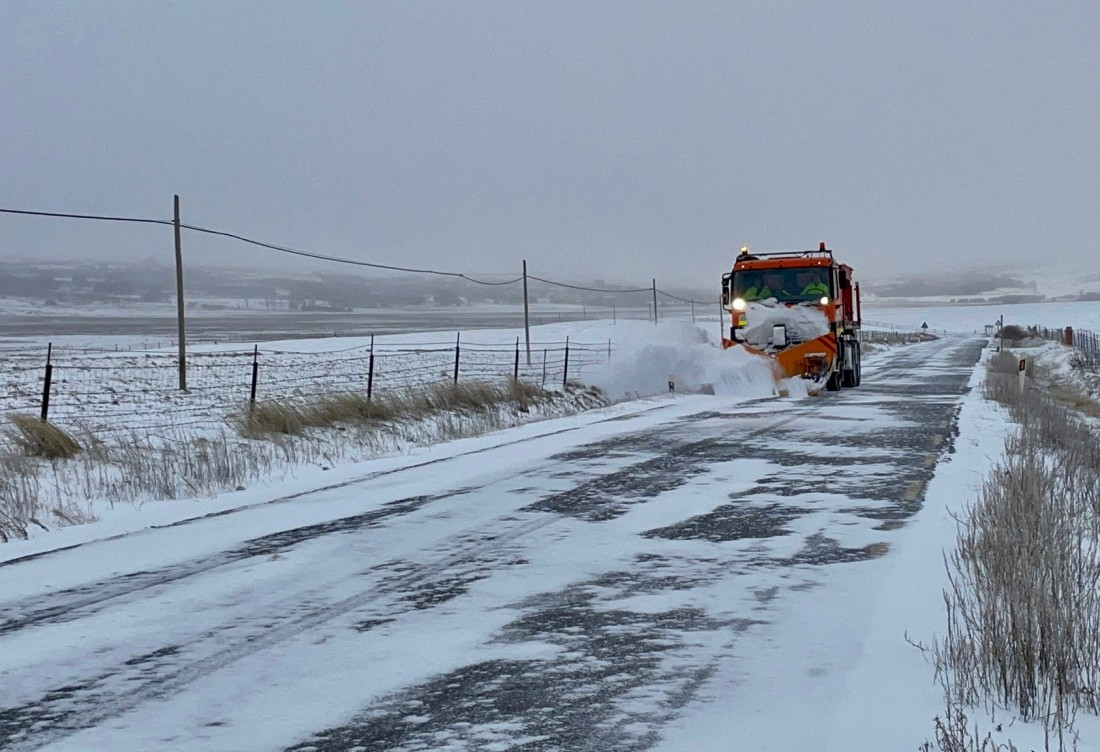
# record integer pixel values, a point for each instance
(800, 308)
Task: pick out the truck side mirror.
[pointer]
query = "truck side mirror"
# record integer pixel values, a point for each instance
(843, 281)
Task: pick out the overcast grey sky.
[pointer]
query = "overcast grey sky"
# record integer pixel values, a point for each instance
(622, 140)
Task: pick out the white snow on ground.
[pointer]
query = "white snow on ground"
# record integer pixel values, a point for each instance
(832, 670)
(829, 669)
(836, 672)
(1058, 365)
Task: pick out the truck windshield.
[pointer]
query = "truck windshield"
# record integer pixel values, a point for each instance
(786, 285)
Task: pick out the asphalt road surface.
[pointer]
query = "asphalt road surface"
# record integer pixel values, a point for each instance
(569, 591)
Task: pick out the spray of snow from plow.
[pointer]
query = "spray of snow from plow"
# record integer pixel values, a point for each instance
(648, 357)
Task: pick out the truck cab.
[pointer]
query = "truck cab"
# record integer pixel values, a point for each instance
(801, 308)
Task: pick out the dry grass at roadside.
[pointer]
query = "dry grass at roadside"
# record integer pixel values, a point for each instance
(1024, 599)
(265, 419)
(40, 438)
(266, 444)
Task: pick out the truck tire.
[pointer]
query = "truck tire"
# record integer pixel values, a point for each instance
(859, 365)
(835, 379)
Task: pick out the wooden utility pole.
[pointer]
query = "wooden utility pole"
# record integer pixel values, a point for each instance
(179, 300)
(654, 301)
(526, 313)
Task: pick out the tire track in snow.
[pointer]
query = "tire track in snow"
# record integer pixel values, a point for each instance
(72, 603)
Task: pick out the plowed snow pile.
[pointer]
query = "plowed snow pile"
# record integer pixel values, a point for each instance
(647, 357)
(803, 322)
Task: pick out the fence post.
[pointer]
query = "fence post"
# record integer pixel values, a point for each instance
(47, 382)
(608, 349)
(370, 370)
(544, 366)
(255, 376)
(515, 371)
(655, 300)
(693, 311)
(458, 337)
(565, 371)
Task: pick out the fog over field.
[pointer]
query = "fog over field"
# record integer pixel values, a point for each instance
(620, 141)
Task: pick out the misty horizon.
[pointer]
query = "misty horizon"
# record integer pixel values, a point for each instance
(613, 141)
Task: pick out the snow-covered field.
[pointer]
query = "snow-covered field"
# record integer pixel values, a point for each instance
(976, 318)
(109, 391)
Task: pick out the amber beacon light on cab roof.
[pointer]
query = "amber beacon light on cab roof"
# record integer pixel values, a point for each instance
(800, 308)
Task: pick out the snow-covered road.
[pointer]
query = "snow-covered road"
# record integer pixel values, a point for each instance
(594, 583)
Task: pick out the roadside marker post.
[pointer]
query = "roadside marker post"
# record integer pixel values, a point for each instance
(1022, 372)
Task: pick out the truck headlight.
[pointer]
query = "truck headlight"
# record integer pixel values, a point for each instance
(825, 300)
(738, 304)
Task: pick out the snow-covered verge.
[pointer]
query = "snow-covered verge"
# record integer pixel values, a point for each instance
(199, 454)
(1015, 659)
(1059, 368)
(1027, 646)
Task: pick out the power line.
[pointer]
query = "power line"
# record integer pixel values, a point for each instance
(587, 289)
(676, 297)
(334, 259)
(339, 260)
(100, 217)
(242, 238)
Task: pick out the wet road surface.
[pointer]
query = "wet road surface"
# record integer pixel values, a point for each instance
(568, 595)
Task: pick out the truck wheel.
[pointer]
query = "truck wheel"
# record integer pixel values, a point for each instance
(849, 378)
(834, 382)
(859, 365)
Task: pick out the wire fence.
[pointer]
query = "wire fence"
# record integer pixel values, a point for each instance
(894, 337)
(109, 393)
(1085, 343)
